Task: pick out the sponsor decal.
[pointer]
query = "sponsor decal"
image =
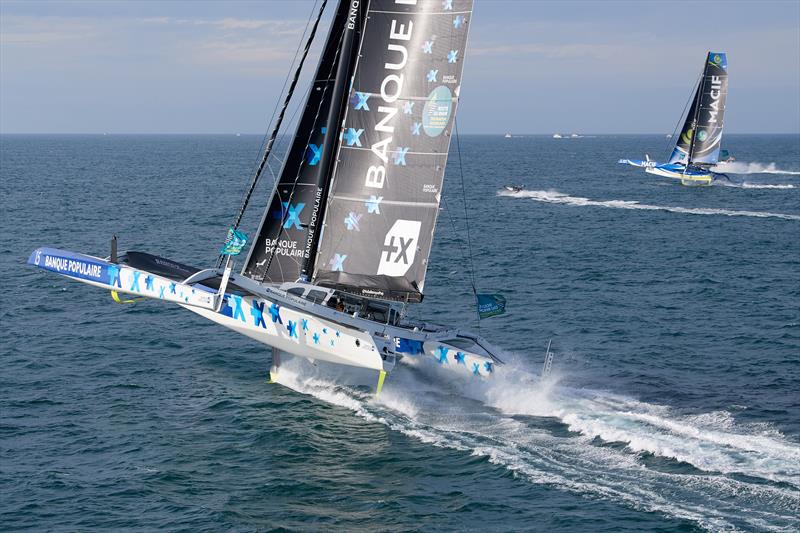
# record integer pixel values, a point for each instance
(436, 114)
(715, 93)
(72, 267)
(400, 33)
(399, 248)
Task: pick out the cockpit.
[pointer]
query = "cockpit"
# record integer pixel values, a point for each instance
(351, 304)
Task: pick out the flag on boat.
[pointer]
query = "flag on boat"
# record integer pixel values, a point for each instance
(234, 243)
(491, 305)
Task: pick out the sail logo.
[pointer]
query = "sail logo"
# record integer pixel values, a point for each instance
(715, 93)
(391, 89)
(399, 248)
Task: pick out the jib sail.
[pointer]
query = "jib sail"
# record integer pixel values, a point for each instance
(287, 231)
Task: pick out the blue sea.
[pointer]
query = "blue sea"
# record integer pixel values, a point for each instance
(674, 314)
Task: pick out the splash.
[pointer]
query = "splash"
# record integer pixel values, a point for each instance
(589, 442)
(555, 197)
(741, 167)
(748, 185)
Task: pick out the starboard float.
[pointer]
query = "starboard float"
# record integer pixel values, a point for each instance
(343, 245)
(698, 145)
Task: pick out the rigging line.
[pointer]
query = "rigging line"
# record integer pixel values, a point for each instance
(334, 64)
(278, 122)
(455, 232)
(681, 116)
(285, 81)
(466, 215)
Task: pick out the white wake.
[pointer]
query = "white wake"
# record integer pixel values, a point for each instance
(510, 421)
(555, 197)
(742, 167)
(748, 185)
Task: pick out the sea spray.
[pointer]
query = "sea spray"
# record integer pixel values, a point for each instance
(741, 167)
(563, 436)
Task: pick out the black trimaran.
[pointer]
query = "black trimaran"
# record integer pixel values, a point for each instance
(344, 243)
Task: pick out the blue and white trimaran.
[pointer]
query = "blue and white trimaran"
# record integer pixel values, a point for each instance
(698, 146)
(343, 246)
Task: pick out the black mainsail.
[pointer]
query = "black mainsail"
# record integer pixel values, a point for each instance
(289, 227)
(701, 136)
(387, 180)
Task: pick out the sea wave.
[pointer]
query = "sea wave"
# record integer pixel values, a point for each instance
(555, 197)
(590, 442)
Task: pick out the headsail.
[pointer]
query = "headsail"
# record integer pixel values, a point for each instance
(282, 244)
(700, 138)
(387, 182)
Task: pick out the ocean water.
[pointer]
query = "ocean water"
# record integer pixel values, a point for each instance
(674, 404)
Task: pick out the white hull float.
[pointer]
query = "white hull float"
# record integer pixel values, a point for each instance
(294, 318)
(694, 177)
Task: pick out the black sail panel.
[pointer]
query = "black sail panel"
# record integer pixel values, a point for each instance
(284, 237)
(681, 152)
(396, 132)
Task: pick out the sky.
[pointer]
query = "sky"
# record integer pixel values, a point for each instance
(531, 66)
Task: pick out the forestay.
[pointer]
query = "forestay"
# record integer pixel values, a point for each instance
(387, 181)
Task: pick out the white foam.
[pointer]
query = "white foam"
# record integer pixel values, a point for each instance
(483, 419)
(748, 185)
(555, 197)
(742, 167)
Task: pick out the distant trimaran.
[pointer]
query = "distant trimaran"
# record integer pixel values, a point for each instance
(343, 245)
(698, 145)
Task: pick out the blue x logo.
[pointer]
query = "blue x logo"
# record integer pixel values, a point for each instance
(337, 263)
(313, 154)
(361, 102)
(258, 314)
(400, 156)
(292, 215)
(353, 137)
(135, 282)
(374, 204)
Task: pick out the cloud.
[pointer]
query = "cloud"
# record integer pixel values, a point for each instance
(43, 31)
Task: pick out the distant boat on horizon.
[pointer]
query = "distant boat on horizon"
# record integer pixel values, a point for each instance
(508, 135)
(557, 136)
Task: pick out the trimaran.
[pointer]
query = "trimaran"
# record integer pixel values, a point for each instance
(343, 245)
(698, 145)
